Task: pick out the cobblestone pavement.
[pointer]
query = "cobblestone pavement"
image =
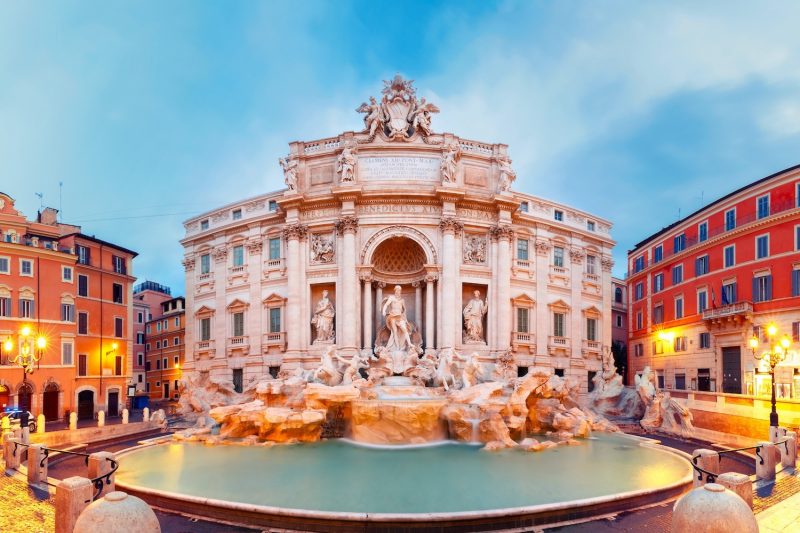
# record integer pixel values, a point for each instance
(23, 510)
(783, 517)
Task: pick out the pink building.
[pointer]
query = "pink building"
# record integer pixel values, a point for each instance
(147, 299)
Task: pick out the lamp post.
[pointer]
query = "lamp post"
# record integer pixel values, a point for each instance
(30, 349)
(774, 356)
(103, 355)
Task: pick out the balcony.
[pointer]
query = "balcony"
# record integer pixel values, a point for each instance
(238, 344)
(204, 346)
(732, 314)
(277, 339)
(591, 347)
(274, 268)
(521, 338)
(559, 275)
(558, 345)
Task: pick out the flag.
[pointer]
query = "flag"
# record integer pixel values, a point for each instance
(724, 297)
(713, 299)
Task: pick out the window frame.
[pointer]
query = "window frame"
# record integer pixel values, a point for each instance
(757, 251)
(702, 236)
(24, 261)
(732, 226)
(766, 196)
(725, 256)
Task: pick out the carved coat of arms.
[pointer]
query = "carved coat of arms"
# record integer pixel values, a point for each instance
(399, 115)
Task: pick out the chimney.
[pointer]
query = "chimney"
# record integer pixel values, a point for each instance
(48, 216)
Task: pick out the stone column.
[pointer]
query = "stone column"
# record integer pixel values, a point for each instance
(367, 303)
(429, 314)
(294, 320)
(504, 236)
(543, 313)
(418, 303)
(347, 337)
(577, 326)
(449, 227)
(378, 299)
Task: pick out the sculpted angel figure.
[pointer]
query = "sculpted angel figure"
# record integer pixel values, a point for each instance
(394, 313)
(345, 165)
(473, 318)
(321, 248)
(507, 174)
(289, 167)
(323, 318)
(373, 115)
(421, 120)
(449, 165)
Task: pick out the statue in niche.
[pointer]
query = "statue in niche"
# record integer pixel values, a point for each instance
(475, 249)
(474, 312)
(449, 165)
(373, 116)
(289, 167)
(321, 248)
(323, 319)
(507, 174)
(394, 313)
(346, 165)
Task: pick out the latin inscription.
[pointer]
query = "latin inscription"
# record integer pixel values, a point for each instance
(399, 168)
(377, 209)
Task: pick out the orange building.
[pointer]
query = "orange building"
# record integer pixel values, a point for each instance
(147, 299)
(165, 350)
(701, 288)
(73, 292)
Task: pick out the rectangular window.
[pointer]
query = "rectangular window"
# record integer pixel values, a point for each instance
(25, 267)
(638, 291)
(238, 324)
(679, 243)
(83, 285)
(762, 246)
(140, 359)
(638, 349)
(176, 341)
(204, 224)
(795, 283)
(238, 255)
(701, 265)
(558, 215)
(139, 317)
(658, 282)
(702, 231)
(236, 214)
(762, 288)
(558, 324)
(158, 326)
(273, 205)
(795, 331)
(729, 294)
(158, 345)
(522, 319)
(238, 380)
(158, 364)
(66, 353)
(679, 344)
(558, 256)
(678, 307)
(658, 314)
(119, 264)
(205, 329)
(591, 329)
(275, 249)
(275, 320)
(82, 364)
(84, 255)
(591, 264)
(797, 238)
(677, 274)
(522, 249)
(638, 264)
(147, 366)
(658, 347)
(177, 322)
(523, 207)
(680, 381)
(83, 323)
(205, 263)
(730, 219)
(5, 306)
(590, 225)
(658, 253)
(118, 326)
(66, 274)
(5, 267)
(26, 308)
(639, 320)
(67, 313)
(116, 292)
(763, 206)
(702, 301)
(730, 255)
(118, 365)
(705, 340)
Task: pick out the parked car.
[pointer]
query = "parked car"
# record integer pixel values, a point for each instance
(15, 418)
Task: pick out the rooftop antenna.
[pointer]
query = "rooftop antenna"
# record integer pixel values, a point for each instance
(60, 216)
(41, 199)
(679, 213)
(701, 198)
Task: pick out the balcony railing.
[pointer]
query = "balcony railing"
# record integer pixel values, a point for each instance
(739, 308)
(204, 346)
(561, 271)
(203, 277)
(237, 341)
(523, 263)
(591, 346)
(274, 339)
(272, 264)
(236, 269)
(594, 278)
(558, 341)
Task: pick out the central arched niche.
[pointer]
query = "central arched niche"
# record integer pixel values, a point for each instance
(398, 257)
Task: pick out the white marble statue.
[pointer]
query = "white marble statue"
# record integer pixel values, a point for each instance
(662, 412)
(472, 373)
(449, 166)
(289, 167)
(321, 248)
(507, 174)
(328, 372)
(473, 313)
(352, 371)
(373, 116)
(475, 249)
(420, 117)
(346, 165)
(394, 313)
(445, 375)
(323, 319)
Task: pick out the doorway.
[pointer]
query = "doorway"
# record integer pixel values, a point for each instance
(732, 369)
(24, 397)
(166, 390)
(50, 401)
(113, 403)
(86, 405)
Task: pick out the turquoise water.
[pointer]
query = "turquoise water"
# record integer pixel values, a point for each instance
(344, 477)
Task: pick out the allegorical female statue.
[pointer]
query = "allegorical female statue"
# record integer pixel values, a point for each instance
(394, 313)
(323, 319)
(473, 318)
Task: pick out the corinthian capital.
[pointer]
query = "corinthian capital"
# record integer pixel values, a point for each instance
(220, 254)
(576, 255)
(346, 224)
(607, 263)
(450, 225)
(188, 263)
(542, 247)
(501, 233)
(295, 231)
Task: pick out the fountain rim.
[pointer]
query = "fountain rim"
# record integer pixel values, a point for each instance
(670, 490)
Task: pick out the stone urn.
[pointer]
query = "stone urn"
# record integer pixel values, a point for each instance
(117, 512)
(712, 509)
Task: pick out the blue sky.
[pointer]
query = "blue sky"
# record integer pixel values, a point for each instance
(150, 112)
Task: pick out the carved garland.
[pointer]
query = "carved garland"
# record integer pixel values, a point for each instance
(254, 246)
(542, 247)
(220, 254)
(576, 255)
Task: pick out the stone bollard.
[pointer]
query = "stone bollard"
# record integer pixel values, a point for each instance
(788, 450)
(776, 433)
(37, 465)
(26, 435)
(73, 421)
(739, 484)
(99, 465)
(5, 425)
(707, 460)
(101, 418)
(12, 457)
(73, 495)
(765, 461)
(712, 509)
(146, 414)
(40, 423)
(117, 511)
(124, 416)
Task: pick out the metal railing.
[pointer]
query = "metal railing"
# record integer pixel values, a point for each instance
(711, 477)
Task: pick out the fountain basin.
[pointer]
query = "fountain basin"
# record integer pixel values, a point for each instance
(340, 486)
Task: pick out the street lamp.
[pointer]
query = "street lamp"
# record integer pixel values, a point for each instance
(774, 356)
(29, 352)
(103, 355)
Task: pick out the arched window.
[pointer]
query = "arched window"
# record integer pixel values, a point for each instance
(618, 295)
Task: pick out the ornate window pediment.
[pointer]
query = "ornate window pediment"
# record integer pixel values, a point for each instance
(237, 305)
(559, 306)
(273, 300)
(204, 312)
(523, 300)
(592, 312)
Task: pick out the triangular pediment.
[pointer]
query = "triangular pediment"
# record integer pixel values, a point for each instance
(523, 300)
(204, 311)
(559, 304)
(237, 304)
(273, 299)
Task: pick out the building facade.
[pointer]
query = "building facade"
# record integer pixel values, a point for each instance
(701, 288)
(272, 281)
(619, 324)
(74, 292)
(165, 350)
(147, 299)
